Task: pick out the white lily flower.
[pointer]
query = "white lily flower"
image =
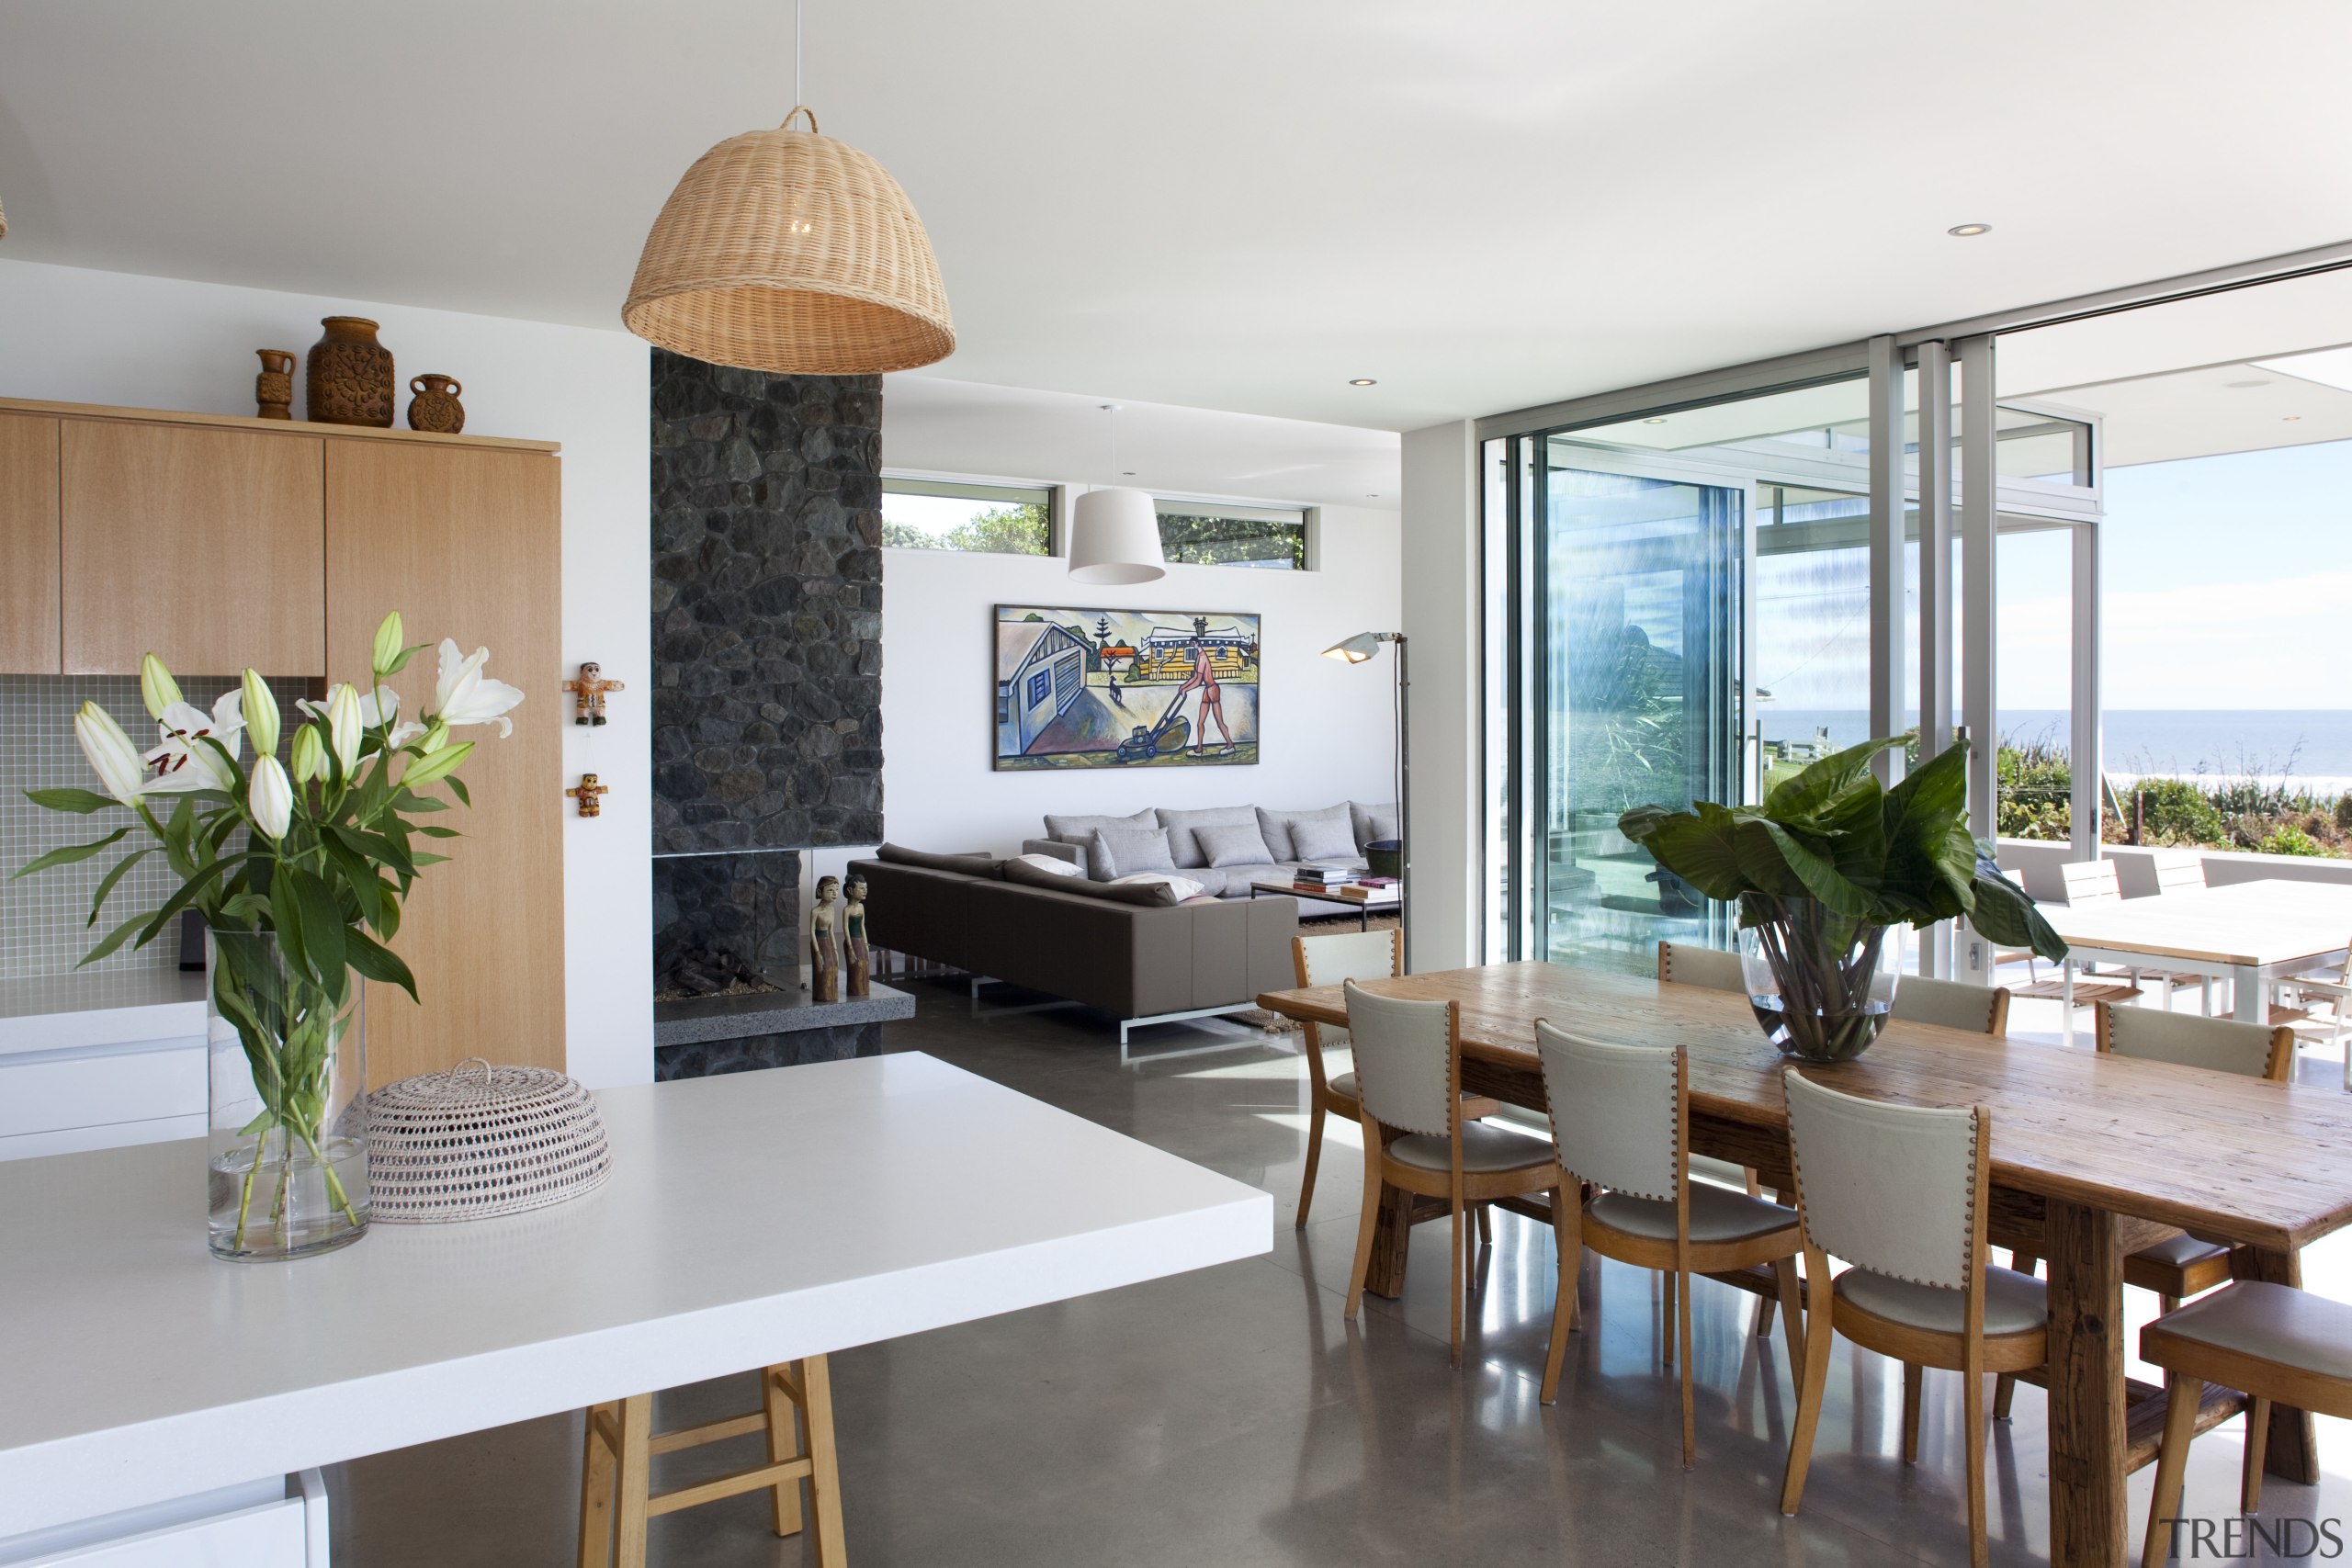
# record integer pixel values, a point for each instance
(372, 714)
(344, 725)
(157, 687)
(270, 798)
(261, 713)
(183, 762)
(309, 756)
(463, 694)
(112, 756)
(388, 643)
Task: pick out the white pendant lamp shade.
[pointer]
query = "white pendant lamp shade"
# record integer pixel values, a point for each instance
(791, 253)
(1114, 538)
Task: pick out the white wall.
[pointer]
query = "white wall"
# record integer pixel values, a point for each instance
(1440, 560)
(1325, 728)
(75, 335)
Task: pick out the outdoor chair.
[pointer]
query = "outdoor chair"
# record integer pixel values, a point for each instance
(2085, 882)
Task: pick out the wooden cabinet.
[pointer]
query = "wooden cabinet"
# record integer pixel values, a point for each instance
(465, 544)
(201, 544)
(28, 614)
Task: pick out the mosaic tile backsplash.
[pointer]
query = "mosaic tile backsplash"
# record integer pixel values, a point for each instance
(41, 917)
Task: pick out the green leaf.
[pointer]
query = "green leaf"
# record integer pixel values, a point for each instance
(1822, 786)
(323, 928)
(1820, 874)
(112, 939)
(430, 831)
(378, 962)
(2003, 915)
(361, 878)
(190, 891)
(457, 787)
(81, 802)
(67, 854)
(1700, 846)
(1931, 859)
(106, 884)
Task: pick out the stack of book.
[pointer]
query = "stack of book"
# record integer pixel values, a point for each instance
(1317, 878)
(1337, 882)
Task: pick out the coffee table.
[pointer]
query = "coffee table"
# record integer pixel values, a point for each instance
(1362, 906)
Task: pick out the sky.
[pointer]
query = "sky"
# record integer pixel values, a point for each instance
(2228, 584)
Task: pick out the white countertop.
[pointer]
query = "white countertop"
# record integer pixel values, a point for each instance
(99, 1006)
(750, 1219)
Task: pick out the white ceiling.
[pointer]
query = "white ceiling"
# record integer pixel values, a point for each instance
(1234, 204)
(956, 428)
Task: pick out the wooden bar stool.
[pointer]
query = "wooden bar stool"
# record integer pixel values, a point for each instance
(617, 1497)
(2267, 1342)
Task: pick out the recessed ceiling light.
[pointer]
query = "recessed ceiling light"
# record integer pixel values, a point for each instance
(1363, 381)
(1969, 230)
(1655, 419)
(2291, 418)
(2241, 385)
(1126, 473)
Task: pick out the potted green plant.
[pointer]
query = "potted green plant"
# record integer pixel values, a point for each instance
(1823, 869)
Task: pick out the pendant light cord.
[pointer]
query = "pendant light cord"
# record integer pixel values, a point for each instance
(796, 96)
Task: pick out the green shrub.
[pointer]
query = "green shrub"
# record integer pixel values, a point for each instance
(2343, 812)
(2175, 811)
(2289, 840)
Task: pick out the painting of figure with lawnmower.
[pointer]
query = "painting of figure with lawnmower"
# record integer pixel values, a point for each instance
(1124, 688)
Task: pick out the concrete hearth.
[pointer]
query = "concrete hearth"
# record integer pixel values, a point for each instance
(705, 1036)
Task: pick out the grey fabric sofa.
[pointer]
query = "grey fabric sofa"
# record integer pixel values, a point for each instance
(1068, 838)
(1139, 964)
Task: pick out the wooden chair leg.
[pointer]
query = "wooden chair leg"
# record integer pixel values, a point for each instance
(1815, 1385)
(1567, 1229)
(1370, 1224)
(784, 1443)
(2258, 1447)
(2171, 1463)
(634, 1480)
(1682, 1338)
(1792, 1316)
(1666, 1319)
(1454, 1322)
(1315, 1119)
(824, 1474)
(1485, 1225)
(1973, 1407)
(1912, 1375)
(596, 1463)
(2004, 1392)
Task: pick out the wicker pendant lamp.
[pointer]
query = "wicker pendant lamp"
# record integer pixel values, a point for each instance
(788, 251)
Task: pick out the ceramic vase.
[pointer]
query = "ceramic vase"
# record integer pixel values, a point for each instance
(433, 404)
(349, 375)
(274, 388)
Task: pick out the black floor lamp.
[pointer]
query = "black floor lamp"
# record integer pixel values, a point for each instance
(1356, 651)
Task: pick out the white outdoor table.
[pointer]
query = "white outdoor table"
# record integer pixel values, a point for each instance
(750, 1219)
(2250, 934)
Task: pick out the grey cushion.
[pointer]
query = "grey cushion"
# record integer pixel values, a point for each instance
(1346, 1084)
(1079, 829)
(1275, 827)
(2013, 1301)
(2276, 1323)
(1717, 1213)
(969, 864)
(1180, 825)
(1373, 823)
(1321, 838)
(1482, 1148)
(1150, 894)
(1236, 844)
(1122, 851)
(2179, 1252)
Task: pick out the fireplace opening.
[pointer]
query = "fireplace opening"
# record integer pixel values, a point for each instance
(726, 924)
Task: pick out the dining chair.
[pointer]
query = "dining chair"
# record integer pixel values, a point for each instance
(1416, 1138)
(617, 1498)
(1328, 961)
(2181, 1265)
(1683, 965)
(2269, 1342)
(1620, 1124)
(1901, 1193)
(1951, 1004)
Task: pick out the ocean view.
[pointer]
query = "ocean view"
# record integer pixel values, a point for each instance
(2311, 747)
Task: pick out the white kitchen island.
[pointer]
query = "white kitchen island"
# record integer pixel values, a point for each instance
(751, 1219)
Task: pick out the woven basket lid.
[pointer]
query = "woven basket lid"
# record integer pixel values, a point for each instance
(479, 1140)
(788, 251)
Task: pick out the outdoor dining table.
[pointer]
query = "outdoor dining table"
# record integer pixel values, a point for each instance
(2094, 1156)
(2250, 934)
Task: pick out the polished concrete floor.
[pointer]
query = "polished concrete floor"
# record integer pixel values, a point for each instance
(1231, 1417)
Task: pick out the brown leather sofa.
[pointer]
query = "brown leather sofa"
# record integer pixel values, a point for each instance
(1139, 964)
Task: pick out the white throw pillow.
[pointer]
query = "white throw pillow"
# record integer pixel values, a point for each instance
(1053, 864)
(1183, 886)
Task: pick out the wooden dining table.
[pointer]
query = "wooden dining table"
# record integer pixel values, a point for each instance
(2094, 1156)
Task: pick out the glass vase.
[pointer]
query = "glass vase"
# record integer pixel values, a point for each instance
(1821, 984)
(287, 1133)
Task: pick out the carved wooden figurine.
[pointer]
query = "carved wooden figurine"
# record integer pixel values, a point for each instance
(856, 956)
(592, 686)
(824, 956)
(590, 794)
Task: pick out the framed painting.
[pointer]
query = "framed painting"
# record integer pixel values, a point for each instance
(1088, 688)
